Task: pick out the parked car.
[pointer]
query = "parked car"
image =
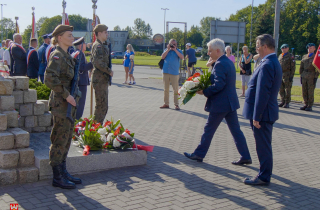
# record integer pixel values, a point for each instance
(117, 55)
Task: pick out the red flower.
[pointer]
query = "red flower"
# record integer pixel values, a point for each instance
(86, 150)
(86, 119)
(127, 131)
(196, 75)
(190, 79)
(96, 126)
(76, 129)
(117, 131)
(106, 145)
(92, 130)
(107, 123)
(83, 124)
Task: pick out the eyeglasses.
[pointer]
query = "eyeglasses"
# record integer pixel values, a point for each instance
(259, 46)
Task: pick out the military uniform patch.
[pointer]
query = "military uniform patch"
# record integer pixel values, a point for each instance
(56, 57)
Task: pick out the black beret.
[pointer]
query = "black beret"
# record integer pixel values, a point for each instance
(61, 28)
(78, 41)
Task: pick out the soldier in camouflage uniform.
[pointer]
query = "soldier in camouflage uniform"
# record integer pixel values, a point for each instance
(309, 76)
(58, 77)
(288, 66)
(101, 72)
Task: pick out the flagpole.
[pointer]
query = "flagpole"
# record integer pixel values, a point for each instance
(64, 5)
(33, 26)
(94, 7)
(17, 29)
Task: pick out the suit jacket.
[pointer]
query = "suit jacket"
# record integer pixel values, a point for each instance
(221, 94)
(261, 96)
(33, 63)
(83, 70)
(19, 61)
(42, 58)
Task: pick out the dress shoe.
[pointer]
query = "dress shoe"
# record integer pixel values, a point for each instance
(309, 108)
(164, 106)
(242, 162)
(286, 105)
(255, 181)
(303, 108)
(280, 105)
(193, 157)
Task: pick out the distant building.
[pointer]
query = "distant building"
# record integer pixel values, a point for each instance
(86, 34)
(118, 40)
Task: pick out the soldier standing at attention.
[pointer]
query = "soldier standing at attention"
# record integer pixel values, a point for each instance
(58, 77)
(101, 72)
(32, 60)
(288, 66)
(42, 56)
(309, 76)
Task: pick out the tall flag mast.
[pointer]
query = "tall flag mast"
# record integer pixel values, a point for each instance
(34, 33)
(65, 19)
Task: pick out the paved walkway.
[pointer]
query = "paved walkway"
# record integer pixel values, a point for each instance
(171, 181)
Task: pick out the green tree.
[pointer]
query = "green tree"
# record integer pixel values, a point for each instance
(130, 32)
(205, 30)
(141, 30)
(194, 36)
(176, 34)
(117, 28)
(9, 28)
(78, 22)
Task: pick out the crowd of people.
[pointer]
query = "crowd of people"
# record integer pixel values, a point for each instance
(54, 64)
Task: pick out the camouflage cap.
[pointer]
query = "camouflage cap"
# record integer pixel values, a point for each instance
(61, 28)
(284, 46)
(310, 45)
(100, 28)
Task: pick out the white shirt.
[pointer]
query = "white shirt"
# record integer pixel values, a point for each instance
(6, 56)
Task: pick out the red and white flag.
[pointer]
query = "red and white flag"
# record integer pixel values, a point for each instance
(95, 22)
(66, 19)
(316, 60)
(34, 33)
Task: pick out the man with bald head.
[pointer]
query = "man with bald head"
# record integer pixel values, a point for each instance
(18, 57)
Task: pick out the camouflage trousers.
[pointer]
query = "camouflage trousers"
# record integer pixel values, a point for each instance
(101, 95)
(61, 136)
(308, 86)
(285, 90)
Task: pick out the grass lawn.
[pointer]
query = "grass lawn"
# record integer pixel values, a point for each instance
(296, 93)
(154, 60)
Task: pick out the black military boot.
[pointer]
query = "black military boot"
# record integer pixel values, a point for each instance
(280, 105)
(66, 174)
(59, 180)
(286, 105)
(304, 107)
(309, 108)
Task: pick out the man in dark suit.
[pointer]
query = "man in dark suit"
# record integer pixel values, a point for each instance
(261, 106)
(83, 74)
(42, 56)
(32, 60)
(18, 57)
(222, 103)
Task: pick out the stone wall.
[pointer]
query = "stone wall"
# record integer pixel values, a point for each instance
(16, 158)
(34, 115)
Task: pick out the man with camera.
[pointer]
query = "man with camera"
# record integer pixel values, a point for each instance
(170, 71)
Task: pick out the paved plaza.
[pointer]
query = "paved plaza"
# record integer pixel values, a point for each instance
(170, 180)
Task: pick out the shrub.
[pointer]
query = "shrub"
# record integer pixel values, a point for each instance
(43, 92)
(142, 54)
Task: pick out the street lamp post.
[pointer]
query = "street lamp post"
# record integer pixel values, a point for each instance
(64, 5)
(164, 28)
(251, 22)
(2, 22)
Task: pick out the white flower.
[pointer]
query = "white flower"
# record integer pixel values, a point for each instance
(104, 138)
(110, 137)
(102, 131)
(183, 92)
(127, 135)
(189, 84)
(116, 143)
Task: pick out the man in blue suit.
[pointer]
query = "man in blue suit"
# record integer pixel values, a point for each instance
(83, 74)
(222, 103)
(42, 56)
(261, 106)
(32, 60)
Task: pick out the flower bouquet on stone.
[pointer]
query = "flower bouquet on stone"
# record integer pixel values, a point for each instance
(193, 84)
(86, 133)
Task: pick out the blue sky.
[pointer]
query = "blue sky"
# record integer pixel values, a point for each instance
(123, 13)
